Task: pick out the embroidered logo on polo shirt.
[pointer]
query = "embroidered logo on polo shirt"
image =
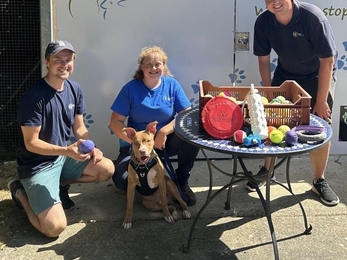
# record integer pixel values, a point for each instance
(297, 34)
(71, 106)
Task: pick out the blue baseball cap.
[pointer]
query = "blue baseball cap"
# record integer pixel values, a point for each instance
(56, 46)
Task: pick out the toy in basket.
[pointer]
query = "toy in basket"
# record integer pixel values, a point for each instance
(295, 113)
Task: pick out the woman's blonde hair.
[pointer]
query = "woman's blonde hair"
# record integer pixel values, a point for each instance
(144, 53)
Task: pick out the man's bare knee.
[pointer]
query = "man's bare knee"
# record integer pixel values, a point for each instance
(54, 229)
(107, 172)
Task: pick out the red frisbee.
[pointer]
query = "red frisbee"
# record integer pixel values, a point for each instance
(221, 117)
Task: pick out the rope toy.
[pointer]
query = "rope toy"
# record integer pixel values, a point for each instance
(310, 134)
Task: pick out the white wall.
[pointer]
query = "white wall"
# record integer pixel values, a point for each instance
(198, 36)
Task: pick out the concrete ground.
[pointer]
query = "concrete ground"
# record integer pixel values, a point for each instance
(95, 227)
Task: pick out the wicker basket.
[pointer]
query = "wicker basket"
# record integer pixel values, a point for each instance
(297, 113)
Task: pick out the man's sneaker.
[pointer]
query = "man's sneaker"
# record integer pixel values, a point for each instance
(189, 193)
(67, 203)
(261, 183)
(327, 196)
(14, 186)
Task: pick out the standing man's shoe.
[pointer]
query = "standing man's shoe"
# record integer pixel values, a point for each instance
(327, 196)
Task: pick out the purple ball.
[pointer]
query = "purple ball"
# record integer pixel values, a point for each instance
(291, 137)
(86, 146)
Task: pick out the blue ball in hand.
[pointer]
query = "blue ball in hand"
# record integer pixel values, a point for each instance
(86, 146)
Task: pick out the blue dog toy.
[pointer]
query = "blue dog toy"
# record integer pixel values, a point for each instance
(252, 141)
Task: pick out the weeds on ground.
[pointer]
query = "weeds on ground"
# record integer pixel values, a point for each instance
(8, 170)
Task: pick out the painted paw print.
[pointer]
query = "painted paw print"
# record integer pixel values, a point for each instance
(345, 45)
(195, 87)
(87, 121)
(273, 65)
(238, 76)
(342, 63)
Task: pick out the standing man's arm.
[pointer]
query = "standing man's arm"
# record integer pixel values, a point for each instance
(264, 69)
(321, 107)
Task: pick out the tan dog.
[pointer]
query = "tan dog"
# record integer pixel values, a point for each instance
(146, 174)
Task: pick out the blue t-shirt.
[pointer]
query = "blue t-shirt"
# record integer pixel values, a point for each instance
(54, 111)
(299, 44)
(143, 105)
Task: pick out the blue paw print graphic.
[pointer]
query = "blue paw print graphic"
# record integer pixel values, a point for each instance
(238, 76)
(342, 63)
(87, 121)
(273, 65)
(345, 45)
(195, 87)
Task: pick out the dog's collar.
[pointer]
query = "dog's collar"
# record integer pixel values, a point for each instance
(148, 165)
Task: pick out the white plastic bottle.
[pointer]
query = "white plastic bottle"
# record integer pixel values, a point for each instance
(256, 114)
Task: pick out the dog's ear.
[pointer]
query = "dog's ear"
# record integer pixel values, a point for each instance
(130, 132)
(152, 127)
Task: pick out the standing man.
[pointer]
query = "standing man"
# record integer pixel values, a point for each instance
(47, 165)
(302, 37)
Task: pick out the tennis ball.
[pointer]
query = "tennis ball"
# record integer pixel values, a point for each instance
(281, 98)
(270, 128)
(86, 146)
(239, 136)
(223, 94)
(208, 95)
(264, 100)
(276, 136)
(284, 129)
(233, 99)
(276, 101)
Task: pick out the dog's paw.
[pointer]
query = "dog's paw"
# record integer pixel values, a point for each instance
(169, 218)
(175, 215)
(126, 225)
(186, 214)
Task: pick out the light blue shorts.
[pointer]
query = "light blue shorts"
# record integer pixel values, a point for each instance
(42, 188)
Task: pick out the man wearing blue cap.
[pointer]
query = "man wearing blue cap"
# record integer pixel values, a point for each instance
(47, 165)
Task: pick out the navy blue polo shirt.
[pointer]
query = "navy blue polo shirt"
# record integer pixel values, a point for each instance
(299, 44)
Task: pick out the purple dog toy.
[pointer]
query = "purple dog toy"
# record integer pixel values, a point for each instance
(86, 146)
